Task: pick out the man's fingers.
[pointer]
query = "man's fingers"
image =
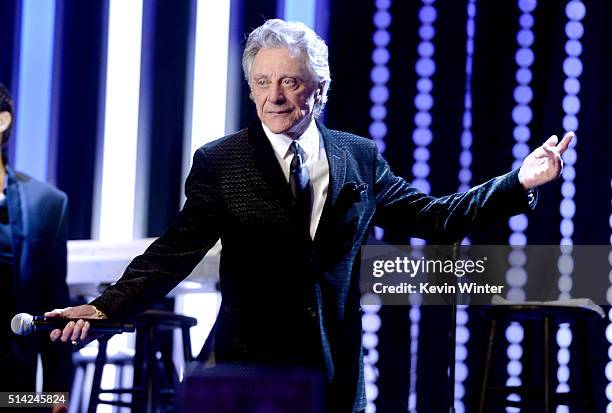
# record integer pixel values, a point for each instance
(542, 152)
(564, 144)
(76, 333)
(55, 334)
(85, 330)
(552, 141)
(76, 330)
(67, 331)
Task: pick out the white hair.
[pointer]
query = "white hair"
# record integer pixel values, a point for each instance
(295, 36)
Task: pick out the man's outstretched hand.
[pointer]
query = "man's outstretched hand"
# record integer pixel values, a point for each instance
(75, 331)
(544, 164)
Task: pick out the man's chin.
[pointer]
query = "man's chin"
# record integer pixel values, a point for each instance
(287, 128)
(278, 128)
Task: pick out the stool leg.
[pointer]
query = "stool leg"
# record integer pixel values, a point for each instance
(487, 366)
(547, 365)
(151, 390)
(97, 377)
(140, 368)
(186, 337)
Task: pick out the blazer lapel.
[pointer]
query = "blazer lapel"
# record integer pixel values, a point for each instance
(267, 163)
(336, 158)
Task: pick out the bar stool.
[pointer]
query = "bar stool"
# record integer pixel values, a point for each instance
(155, 378)
(542, 395)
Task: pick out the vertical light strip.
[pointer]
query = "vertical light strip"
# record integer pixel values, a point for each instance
(516, 277)
(425, 68)
(118, 186)
(301, 10)
(465, 159)
(370, 321)
(33, 98)
(415, 319)
(465, 176)
(379, 95)
(461, 354)
(209, 73)
(422, 136)
(572, 68)
(608, 370)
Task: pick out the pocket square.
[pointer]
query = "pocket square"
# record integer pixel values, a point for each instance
(352, 192)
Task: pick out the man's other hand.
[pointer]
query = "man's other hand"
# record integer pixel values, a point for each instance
(544, 164)
(77, 332)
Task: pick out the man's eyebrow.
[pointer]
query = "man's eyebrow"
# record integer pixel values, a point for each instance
(281, 76)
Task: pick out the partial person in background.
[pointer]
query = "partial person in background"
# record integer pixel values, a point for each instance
(33, 259)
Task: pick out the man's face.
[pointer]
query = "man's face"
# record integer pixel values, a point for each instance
(283, 90)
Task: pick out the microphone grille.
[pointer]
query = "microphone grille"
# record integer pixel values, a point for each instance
(22, 324)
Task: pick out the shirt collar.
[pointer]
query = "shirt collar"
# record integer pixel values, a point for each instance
(308, 141)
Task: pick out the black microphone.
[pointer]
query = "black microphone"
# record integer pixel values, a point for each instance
(24, 324)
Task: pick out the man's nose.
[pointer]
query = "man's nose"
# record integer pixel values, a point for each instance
(276, 94)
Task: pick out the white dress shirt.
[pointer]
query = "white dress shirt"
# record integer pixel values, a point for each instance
(315, 159)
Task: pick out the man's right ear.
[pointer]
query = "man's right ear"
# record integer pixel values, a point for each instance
(5, 121)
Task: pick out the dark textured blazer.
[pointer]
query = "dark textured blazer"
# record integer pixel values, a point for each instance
(38, 216)
(287, 299)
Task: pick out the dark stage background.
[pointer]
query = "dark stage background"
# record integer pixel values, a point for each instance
(79, 62)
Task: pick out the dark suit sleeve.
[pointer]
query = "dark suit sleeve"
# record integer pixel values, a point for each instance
(173, 256)
(56, 359)
(449, 218)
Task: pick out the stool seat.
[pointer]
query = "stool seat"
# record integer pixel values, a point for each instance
(166, 319)
(542, 395)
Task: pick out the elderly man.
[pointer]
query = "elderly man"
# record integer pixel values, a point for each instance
(292, 203)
